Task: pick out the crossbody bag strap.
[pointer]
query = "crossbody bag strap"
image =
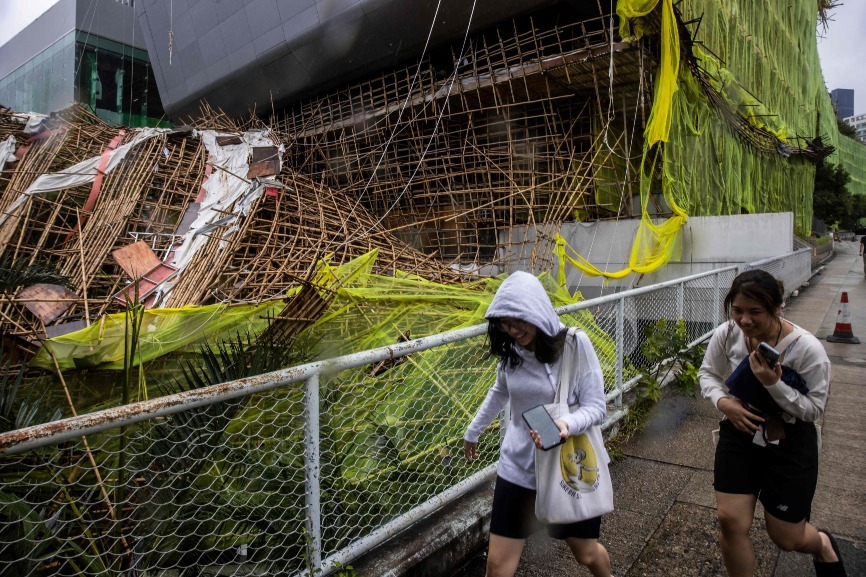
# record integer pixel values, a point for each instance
(569, 364)
(789, 341)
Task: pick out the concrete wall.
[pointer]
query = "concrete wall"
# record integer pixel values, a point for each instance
(708, 243)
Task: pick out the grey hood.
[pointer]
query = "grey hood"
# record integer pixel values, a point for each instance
(521, 296)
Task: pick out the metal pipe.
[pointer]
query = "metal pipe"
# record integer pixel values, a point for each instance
(66, 429)
(313, 517)
(620, 349)
(636, 291)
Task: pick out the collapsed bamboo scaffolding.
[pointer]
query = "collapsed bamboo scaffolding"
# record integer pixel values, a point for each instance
(437, 171)
(510, 139)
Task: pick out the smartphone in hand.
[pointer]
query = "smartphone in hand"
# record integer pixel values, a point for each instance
(770, 354)
(539, 420)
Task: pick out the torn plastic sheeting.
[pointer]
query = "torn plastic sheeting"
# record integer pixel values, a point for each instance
(7, 151)
(32, 121)
(225, 192)
(81, 173)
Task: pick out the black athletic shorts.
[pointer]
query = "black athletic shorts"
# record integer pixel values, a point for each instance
(513, 516)
(782, 476)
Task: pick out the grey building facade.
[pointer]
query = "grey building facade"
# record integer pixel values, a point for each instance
(858, 122)
(240, 54)
(81, 51)
(843, 102)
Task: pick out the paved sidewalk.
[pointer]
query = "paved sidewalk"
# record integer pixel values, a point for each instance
(664, 523)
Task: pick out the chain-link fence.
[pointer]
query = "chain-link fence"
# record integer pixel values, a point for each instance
(295, 472)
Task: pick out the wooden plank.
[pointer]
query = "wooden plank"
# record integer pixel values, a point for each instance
(228, 140)
(46, 301)
(146, 285)
(136, 259)
(265, 162)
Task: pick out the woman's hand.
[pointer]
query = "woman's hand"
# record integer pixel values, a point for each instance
(470, 449)
(563, 432)
(739, 415)
(765, 373)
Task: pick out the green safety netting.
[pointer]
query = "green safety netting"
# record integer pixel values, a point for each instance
(734, 139)
(419, 405)
(763, 62)
(851, 154)
(368, 310)
(163, 331)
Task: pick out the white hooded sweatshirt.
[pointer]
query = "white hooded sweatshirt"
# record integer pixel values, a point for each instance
(522, 296)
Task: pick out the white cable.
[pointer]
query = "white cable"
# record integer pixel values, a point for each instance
(432, 135)
(396, 129)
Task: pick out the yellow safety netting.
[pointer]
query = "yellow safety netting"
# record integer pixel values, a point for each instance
(412, 412)
(163, 331)
(372, 310)
(655, 244)
(764, 62)
(659, 124)
(368, 310)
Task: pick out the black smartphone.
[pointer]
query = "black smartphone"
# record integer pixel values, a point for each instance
(770, 354)
(540, 420)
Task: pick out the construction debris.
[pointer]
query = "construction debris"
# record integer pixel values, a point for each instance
(428, 170)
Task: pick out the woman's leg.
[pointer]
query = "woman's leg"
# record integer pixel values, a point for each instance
(503, 555)
(735, 513)
(802, 537)
(591, 554)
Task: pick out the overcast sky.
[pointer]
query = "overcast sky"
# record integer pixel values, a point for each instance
(842, 47)
(843, 52)
(16, 14)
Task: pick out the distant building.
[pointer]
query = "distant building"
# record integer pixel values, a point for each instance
(82, 51)
(859, 124)
(843, 102)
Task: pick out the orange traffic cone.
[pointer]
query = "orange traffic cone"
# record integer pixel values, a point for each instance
(842, 333)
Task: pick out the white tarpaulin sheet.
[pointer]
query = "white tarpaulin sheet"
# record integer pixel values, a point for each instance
(82, 173)
(229, 195)
(7, 151)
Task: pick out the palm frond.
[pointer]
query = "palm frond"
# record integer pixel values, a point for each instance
(20, 273)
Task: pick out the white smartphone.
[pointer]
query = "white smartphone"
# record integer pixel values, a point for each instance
(539, 420)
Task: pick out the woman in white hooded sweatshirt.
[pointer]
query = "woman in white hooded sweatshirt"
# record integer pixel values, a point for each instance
(525, 333)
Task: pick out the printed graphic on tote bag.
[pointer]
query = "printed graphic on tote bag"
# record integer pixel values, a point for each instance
(578, 464)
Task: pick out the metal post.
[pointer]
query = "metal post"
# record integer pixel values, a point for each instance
(313, 518)
(620, 349)
(717, 300)
(681, 297)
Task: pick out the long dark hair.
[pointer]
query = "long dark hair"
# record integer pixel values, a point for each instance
(761, 287)
(547, 348)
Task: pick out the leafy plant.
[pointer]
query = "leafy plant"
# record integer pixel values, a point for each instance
(18, 273)
(666, 349)
(669, 359)
(195, 473)
(14, 412)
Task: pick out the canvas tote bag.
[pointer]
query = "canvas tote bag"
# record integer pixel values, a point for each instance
(572, 479)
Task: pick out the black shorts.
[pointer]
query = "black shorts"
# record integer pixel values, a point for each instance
(513, 516)
(782, 476)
